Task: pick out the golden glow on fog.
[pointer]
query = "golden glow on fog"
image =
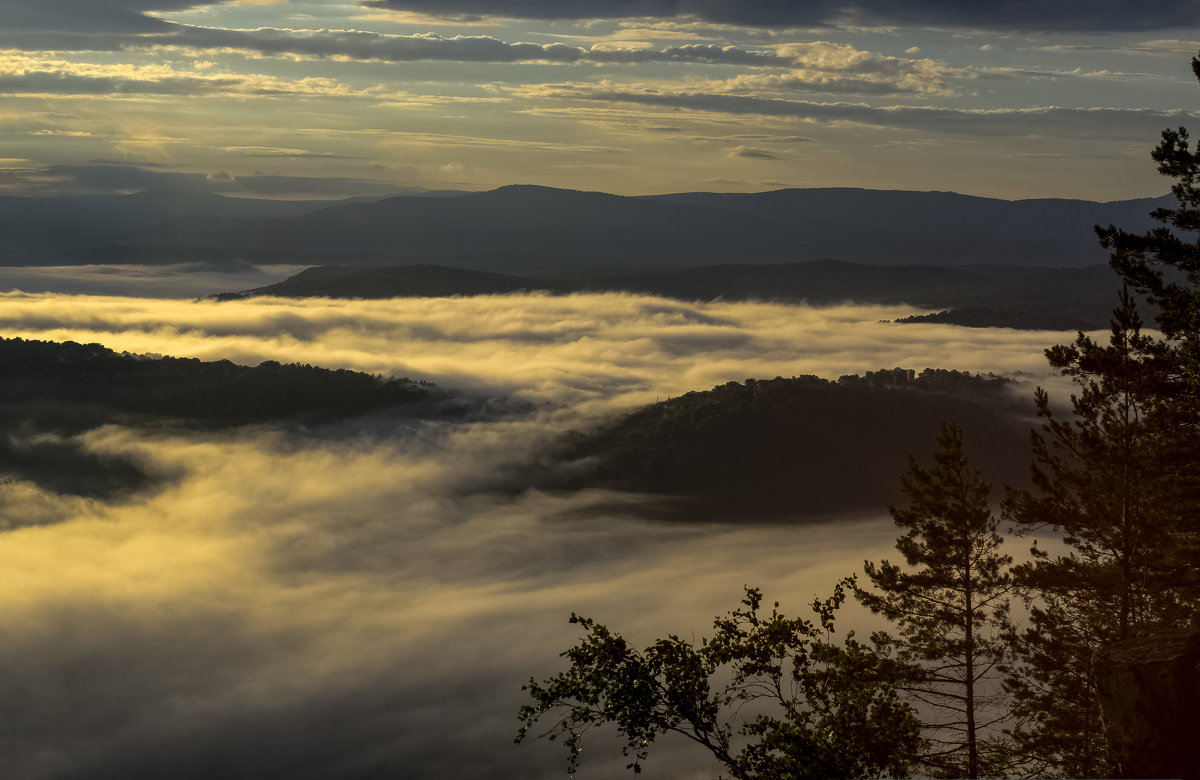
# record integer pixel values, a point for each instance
(280, 579)
(596, 349)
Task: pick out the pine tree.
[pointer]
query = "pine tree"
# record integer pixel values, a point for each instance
(950, 605)
(1161, 263)
(1119, 479)
(1164, 265)
(1099, 479)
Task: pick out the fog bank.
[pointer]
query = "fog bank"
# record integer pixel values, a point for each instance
(356, 601)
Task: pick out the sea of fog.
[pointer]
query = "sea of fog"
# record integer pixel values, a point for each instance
(353, 602)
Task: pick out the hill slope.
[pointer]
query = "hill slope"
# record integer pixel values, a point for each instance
(50, 392)
(519, 229)
(990, 296)
(800, 448)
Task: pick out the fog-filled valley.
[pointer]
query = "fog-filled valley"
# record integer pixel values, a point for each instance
(504, 389)
(362, 593)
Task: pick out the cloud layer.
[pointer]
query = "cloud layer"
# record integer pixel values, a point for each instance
(306, 610)
(1072, 15)
(358, 601)
(597, 350)
(91, 16)
(916, 95)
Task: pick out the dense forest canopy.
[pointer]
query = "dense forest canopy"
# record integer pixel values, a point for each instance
(52, 391)
(219, 391)
(800, 447)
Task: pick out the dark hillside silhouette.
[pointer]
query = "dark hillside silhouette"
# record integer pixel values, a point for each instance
(50, 392)
(74, 222)
(939, 227)
(899, 227)
(217, 391)
(982, 296)
(802, 447)
(389, 282)
(525, 228)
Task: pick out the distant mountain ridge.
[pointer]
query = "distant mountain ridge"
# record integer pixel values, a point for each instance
(988, 296)
(527, 228)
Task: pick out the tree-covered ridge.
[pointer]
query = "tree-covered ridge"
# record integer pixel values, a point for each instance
(802, 446)
(209, 391)
(975, 295)
(50, 392)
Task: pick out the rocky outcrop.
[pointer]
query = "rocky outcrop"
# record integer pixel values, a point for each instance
(1150, 700)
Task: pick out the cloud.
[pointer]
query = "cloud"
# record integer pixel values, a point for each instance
(359, 601)
(278, 151)
(593, 350)
(462, 48)
(107, 178)
(184, 281)
(89, 16)
(382, 47)
(1069, 15)
(822, 66)
(753, 153)
(346, 608)
(58, 83)
(1076, 122)
(48, 75)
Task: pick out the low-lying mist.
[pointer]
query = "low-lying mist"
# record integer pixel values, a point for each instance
(354, 601)
(595, 350)
(179, 280)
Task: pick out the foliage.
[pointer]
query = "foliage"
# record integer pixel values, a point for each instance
(66, 388)
(1119, 480)
(218, 391)
(820, 709)
(1147, 261)
(950, 605)
(1101, 475)
(1100, 480)
(1164, 265)
(801, 446)
(1057, 729)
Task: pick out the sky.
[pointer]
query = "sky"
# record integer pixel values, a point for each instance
(336, 98)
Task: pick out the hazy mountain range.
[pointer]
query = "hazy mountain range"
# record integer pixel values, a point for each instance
(984, 296)
(529, 229)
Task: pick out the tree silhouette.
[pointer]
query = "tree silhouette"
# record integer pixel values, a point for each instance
(1164, 265)
(950, 605)
(1118, 479)
(1101, 479)
(824, 709)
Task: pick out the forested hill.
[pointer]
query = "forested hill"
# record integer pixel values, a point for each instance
(802, 447)
(218, 391)
(987, 296)
(51, 391)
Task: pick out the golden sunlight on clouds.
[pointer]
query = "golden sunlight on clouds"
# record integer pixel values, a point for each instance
(279, 574)
(377, 573)
(606, 349)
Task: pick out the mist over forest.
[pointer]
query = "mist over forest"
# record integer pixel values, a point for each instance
(379, 377)
(197, 593)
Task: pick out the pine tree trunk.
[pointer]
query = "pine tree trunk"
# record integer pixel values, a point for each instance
(969, 615)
